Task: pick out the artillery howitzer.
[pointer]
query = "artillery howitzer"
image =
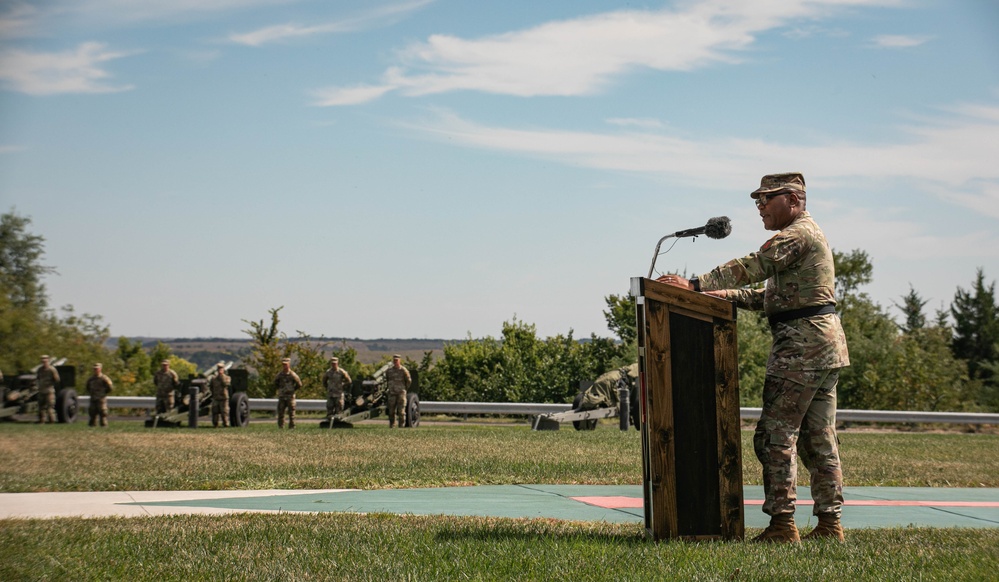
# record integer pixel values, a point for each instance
(625, 407)
(369, 399)
(20, 394)
(197, 388)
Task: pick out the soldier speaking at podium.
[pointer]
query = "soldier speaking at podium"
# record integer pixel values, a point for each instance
(809, 348)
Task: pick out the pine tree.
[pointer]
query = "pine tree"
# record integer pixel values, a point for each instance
(912, 308)
(976, 329)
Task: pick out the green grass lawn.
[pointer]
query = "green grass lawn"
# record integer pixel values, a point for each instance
(387, 547)
(127, 456)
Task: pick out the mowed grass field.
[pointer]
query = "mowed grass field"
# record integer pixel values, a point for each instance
(388, 547)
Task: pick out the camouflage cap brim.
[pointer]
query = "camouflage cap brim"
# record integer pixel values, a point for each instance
(778, 183)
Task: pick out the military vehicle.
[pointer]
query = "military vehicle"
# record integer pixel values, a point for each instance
(180, 415)
(20, 394)
(369, 399)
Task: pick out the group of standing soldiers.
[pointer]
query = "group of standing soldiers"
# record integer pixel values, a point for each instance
(167, 382)
(337, 383)
(335, 380)
(47, 379)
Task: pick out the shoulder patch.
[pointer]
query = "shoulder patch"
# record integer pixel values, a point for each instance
(768, 244)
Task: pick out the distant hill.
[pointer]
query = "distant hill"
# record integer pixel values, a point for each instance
(206, 351)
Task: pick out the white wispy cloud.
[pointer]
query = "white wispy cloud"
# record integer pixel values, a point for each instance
(75, 71)
(116, 12)
(645, 123)
(9, 149)
(381, 16)
(583, 55)
(21, 18)
(349, 95)
(898, 41)
(883, 230)
(952, 154)
(17, 19)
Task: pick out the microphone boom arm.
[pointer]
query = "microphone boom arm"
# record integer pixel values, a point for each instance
(655, 255)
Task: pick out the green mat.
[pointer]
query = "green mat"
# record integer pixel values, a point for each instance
(866, 507)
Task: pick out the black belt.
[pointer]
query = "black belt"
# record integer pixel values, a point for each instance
(784, 316)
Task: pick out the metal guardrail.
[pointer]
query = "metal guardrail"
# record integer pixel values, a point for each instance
(534, 409)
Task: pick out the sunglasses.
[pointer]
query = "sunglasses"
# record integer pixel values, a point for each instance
(762, 201)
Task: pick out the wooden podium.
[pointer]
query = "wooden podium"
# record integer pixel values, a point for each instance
(691, 441)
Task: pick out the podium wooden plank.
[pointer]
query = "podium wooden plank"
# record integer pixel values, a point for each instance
(643, 405)
(729, 432)
(662, 485)
(696, 302)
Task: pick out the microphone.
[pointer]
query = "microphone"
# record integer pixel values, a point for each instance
(717, 227)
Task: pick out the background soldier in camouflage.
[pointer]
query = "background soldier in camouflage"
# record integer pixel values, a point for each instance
(98, 387)
(46, 379)
(809, 348)
(603, 392)
(285, 385)
(398, 380)
(219, 385)
(336, 381)
(166, 382)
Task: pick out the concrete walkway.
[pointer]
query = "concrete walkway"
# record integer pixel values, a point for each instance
(866, 507)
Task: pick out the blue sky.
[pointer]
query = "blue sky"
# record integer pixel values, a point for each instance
(432, 168)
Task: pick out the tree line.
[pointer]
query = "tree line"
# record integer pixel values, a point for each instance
(948, 360)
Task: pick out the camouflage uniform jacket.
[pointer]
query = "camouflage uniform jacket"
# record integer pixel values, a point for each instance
(219, 385)
(47, 377)
(797, 266)
(398, 379)
(336, 381)
(165, 381)
(286, 383)
(98, 386)
(603, 392)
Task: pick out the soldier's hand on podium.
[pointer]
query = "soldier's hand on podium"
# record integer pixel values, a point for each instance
(676, 281)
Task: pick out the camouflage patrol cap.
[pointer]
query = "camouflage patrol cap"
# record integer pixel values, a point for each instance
(777, 182)
(98, 366)
(220, 365)
(334, 360)
(285, 360)
(396, 357)
(45, 357)
(167, 362)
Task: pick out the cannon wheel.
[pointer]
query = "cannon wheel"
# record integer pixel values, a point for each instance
(582, 424)
(66, 405)
(239, 410)
(413, 411)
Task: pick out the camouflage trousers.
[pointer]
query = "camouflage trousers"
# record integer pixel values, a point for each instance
(220, 411)
(799, 420)
(286, 403)
(46, 405)
(164, 402)
(98, 411)
(334, 404)
(397, 407)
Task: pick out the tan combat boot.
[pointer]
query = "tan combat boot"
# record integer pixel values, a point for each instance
(780, 531)
(828, 527)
